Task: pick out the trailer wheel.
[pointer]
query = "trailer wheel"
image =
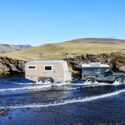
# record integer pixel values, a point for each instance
(120, 80)
(41, 81)
(49, 81)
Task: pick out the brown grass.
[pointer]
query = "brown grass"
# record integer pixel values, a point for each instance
(80, 46)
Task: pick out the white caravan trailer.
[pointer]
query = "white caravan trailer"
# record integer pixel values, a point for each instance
(47, 71)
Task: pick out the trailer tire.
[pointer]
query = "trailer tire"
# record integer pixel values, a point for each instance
(49, 81)
(41, 81)
(45, 80)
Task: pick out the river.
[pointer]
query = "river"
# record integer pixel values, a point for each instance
(23, 102)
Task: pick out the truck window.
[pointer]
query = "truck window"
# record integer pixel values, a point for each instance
(98, 71)
(92, 71)
(88, 71)
(48, 68)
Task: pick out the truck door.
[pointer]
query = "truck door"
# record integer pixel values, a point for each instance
(108, 77)
(98, 74)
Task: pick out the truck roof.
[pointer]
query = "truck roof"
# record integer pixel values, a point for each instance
(95, 65)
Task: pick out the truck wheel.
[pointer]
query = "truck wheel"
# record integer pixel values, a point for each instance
(90, 80)
(120, 80)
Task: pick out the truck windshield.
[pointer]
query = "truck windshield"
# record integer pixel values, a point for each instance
(95, 71)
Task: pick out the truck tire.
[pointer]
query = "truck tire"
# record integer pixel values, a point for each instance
(120, 80)
(90, 80)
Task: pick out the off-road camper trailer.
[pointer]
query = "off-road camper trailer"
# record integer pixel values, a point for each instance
(47, 71)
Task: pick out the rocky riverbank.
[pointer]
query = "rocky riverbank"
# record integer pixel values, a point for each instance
(10, 66)
(116, 61)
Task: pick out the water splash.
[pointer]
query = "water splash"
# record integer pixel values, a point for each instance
(48, 86)
(96, 84)
(23, 83)
(72, 101)
(116, 83)
(26, 88)
(61, 84)
(37, 86)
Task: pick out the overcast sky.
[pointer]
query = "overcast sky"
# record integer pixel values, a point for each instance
(39, 22)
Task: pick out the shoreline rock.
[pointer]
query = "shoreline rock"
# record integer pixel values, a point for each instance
(116, 61)
(10, 66)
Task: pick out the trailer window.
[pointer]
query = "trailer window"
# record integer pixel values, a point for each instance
(32, 67)
(48, 68)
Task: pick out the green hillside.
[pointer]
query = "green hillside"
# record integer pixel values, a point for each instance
(78, 46)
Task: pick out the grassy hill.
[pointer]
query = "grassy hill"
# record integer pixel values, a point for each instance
(6, 48)
(78, 46)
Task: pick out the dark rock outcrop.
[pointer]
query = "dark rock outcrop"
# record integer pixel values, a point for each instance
(116, 61)
(11, 66)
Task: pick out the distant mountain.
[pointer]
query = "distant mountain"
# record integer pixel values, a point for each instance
(6, 48)
(98, 40)
(78, 46)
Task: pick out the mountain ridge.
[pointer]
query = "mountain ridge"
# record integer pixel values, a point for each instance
(54, 51)
(6, 48)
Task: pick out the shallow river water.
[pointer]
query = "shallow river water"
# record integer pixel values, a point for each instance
(23, 102)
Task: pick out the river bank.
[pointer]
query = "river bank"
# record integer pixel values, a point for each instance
(9, 66)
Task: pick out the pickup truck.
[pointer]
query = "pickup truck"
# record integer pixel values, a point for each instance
(100, 72)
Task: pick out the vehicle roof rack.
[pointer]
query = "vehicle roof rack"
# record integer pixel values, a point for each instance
(95, 64)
